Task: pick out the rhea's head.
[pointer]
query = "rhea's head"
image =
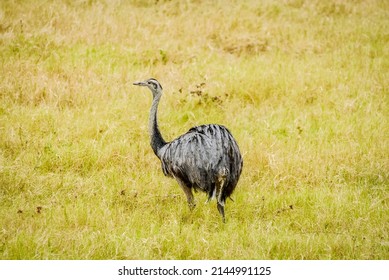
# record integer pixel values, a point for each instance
(152, 84)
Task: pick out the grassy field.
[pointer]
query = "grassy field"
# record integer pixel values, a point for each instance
(302, 85)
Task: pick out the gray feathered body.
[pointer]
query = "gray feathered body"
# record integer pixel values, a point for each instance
(201, 157)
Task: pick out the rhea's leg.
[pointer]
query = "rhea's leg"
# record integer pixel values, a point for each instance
(188, 192)
(219, 192)
(220, 207)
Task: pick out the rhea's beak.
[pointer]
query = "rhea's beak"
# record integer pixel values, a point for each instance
(139, 84)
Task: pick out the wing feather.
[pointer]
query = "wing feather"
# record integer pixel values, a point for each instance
(199, 156)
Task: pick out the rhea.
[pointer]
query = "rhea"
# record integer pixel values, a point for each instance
(206, 158)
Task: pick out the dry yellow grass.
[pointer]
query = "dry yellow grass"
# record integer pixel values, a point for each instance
(302, 85)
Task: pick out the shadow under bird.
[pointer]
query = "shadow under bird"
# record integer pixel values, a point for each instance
(206, 158)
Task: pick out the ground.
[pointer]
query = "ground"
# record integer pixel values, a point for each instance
(302, 86)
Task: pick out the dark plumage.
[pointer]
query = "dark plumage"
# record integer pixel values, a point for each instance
(206, 158)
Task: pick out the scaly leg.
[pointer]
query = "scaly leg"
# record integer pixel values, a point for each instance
(220, 207)
(219, 193)
(188, 192)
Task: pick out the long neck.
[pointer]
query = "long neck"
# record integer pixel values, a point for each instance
(156, 139)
